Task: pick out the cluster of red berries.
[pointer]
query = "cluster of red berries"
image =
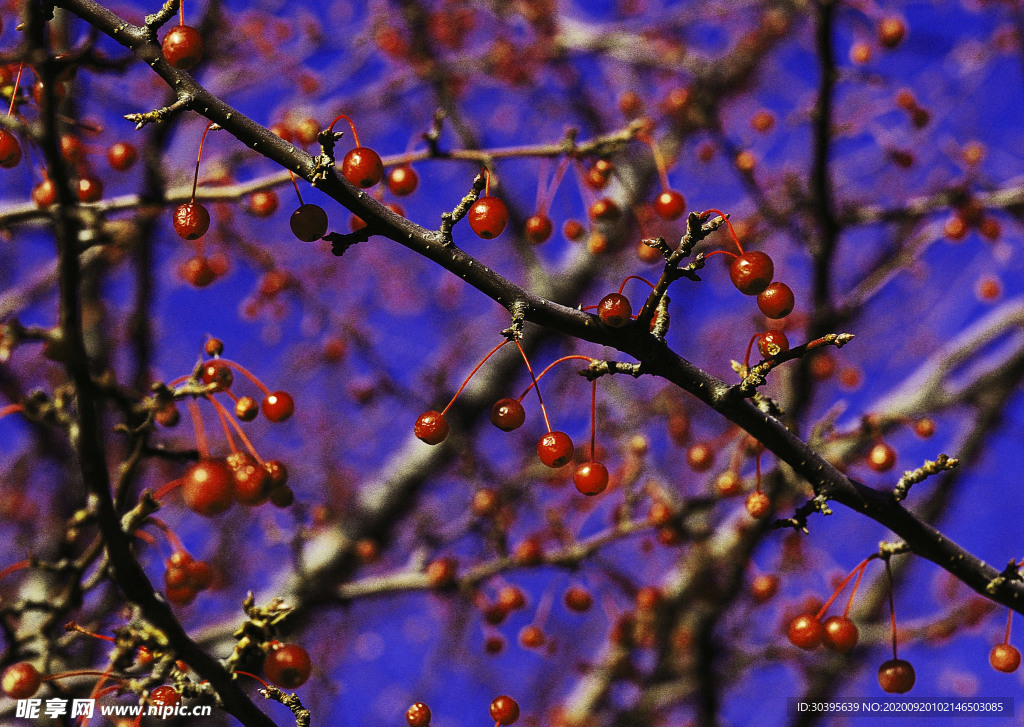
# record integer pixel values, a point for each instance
(185, 577)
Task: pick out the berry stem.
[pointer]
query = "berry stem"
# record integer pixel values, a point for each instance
(757, 472)
(225, 416)
(145, 537)
(199, 156)
(635, 277)
(197, 422)
(728, 223)
(721, 252)
(73, 626)
(13, 568)
(750, 347)
(14, 93)
(659, 161)
(593, 418)
(223, 422)
(81, 673)
(892, 607)
(296, 185)
(856, 584)
(543, 409)
(173, 484)
(487, 182)
(1009, 623)
(355, 134)
(248, 374)
(549, 194)
(552, 365)
(11, 409)
(586, 193)
(471, 375)
(253, 676)
(181, 13)
(859, 568)
(171, 536)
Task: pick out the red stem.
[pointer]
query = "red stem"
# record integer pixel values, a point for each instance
(471, 375)
(199, 156)
(721, 252)
(247, 674)
(248, 374)
(13, 568)
(549, 193)
(296, 185)
(14, 93)
(728, 223)
(859, 568)
(355, 135)
(634, 277)
(659, 161)
(750, 346)
(1009, 622)
(856, 585)
(181, 13)
(225, 416)
(892, 607)
(197, 422)
(551, 366)
(593, 418)
(223, 422)
(172, 537)
(543, 409)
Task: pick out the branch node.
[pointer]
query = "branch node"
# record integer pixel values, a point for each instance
(160, 115)
(515, 330)
(910, 478)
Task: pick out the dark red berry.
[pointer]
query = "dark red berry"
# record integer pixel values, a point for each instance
(282, 496)
(431, 427)
(578, 599)
(881, 457)
(1004, 658)
(71, 148)
(555, 449)
(670, 205)
(121, 156)
(182, 46)
(532, 637)
(614, 310)
(772, 343)
(309, 222)
(418, 715)
(891, 32)
(263, 203)
(402, 180)
(21, 680)
(246, 408)
(806, 631)
(10, 150)
(488, 217)
(764, 587)
(90, 189)
(590, 478)
(191, 220)
(287, 666)
(776, 301)
(208, 487)
(700, 456)
(44, 194)
(504, 710)
(197, 271)
(362, 167)
(60, 91)
(217, 376)
(164, 696)
(507, 414)
(307, 130)
(604, 210)
(752, 272)
(278, 406)
(250, 480)
(841, 634)
(538, 228)
(896, 676)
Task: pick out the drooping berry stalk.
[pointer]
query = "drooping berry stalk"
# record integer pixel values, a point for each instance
(226, 419)
(725, 217)
(472, 374)
(197, 422)
(11, 409)
(543, 409)
(550, 366)
(857, 571)
(14, 568)
(14, 93)
(171, 536)
(635, 277)
(892, 607)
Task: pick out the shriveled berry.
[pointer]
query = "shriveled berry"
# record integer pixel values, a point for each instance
(896, 676)
(538, 228)
(362, 167)
(278, 406)
(208, 487)
(309, 222)
(776, 301)
(282, 496)
(591, 478)
(488, 217)
(752, 272)
(10, 150)
(614, 310)
(841, 634)
(288, 666)
(806, 631)
(21, 680)
(431, 427)
(670, 205)
(504, 710)
(772, 343)
(555, 449)
(1004, 658)
(251, 481)
(402, 180)
(182, 46)
(246, 408)
(216, 375)
(507, 414)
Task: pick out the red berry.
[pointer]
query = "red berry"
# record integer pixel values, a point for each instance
(764, 587)
(700, 456)
(182, 46)
(217, 376)
(529, 552)
(891, 32)
(21, 680)
(90, 189)
(431, 427)
(752, 272)
(44, 194)
(511, 598)
(1004, 658)
(121, 156)
(924, 427)
(200, 575)
(246, 408)
(772, 343)
(71, 148)
(309, 222)
(488, 217)
(604, 210)
(538, 228)
(362, 167)
(881, 457)
(841, 634)
(278, 472)
(504, 710)
(507, 414)
(573, 230)
(402, 180)
(614, 310)
(555, 449)
(660, 514)
(441, 573)
(532, 637)
(418, 715)
(164, 696)
(197, 271)
(590, 478)
(776, 301)
(896, 676)
(10, 150)
(806, 631)
(263, 203)
(578, 599)
(282, 496)
(60, 91)
(485, 503)
(208, 488)
(251, 481)
(670, 204)
(287, 666)
(758, 505)
(278, 406)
